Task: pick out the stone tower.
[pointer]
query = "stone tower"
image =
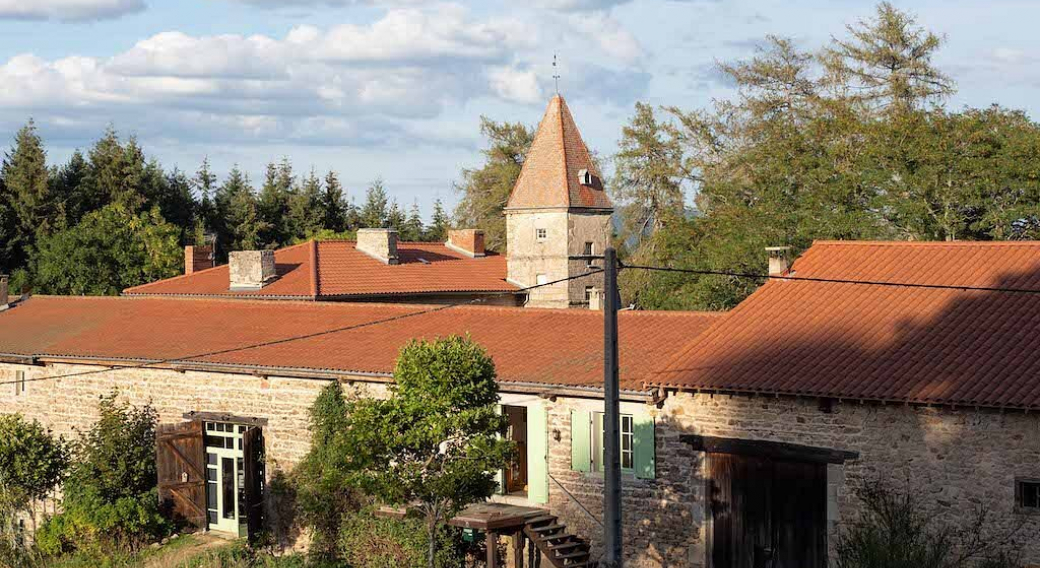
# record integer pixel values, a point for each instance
(558, 215)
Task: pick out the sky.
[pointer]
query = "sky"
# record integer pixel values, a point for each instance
(395, 89)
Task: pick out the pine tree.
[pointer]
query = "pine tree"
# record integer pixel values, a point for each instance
(28, 191)
(438, 229)
(413, 227)
(395, 218)
(333, 205)
(306, 214)
(204, 184)
(67, 188)
(274, 203)
(374, 213)
(239, 210)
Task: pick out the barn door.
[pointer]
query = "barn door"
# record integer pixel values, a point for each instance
(181, 465)
(766, 513)
(253, 481)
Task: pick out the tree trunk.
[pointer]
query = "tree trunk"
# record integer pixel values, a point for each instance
(431, 532)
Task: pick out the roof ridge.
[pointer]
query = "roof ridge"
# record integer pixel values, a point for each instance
(923, 243)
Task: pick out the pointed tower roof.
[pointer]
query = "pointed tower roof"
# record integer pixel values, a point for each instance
(550, 177)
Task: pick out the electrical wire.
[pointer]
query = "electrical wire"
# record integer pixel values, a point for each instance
(298, 337)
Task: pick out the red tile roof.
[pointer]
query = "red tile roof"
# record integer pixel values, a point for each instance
(549, 177)
(337, 269)
(554, 347)
(870, 342)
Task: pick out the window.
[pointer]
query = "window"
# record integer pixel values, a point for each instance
(590, 251)
(1027, 493)
(19, 383)
(540, 234)
(588, 294)
(598, 434)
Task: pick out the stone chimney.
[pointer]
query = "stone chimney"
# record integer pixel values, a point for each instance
(596, 299)
(469, 242)
(380, 244)
(4, 302)
(779, 260)
(198, 258)
(251, 269)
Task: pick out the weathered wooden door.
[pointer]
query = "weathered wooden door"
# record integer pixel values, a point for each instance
(516, 472)
(253, 480)
(181, 465)
(766, 513)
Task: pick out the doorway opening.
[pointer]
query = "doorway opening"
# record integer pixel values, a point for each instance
(516, 482)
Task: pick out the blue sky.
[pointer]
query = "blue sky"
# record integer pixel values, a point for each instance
(395, 88)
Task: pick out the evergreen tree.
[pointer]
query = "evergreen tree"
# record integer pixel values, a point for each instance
(8, 228)
(274, 204)
(28, 194)
(439, 225)
(413, 229)
(115, 173)
(333, 205)
(67, 187)
(374, 213)
(242, 225)
(395, 218)
(205, 185)
(486, 190)
(306, 214)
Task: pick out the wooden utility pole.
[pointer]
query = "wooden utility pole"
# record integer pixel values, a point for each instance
(611, 416)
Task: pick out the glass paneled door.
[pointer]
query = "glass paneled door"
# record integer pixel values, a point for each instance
(225, 475)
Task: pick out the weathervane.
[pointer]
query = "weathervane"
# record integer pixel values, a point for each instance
(556, 76)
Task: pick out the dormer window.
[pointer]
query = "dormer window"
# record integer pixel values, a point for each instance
(541, 234)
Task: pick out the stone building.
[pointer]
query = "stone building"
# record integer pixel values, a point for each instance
(773, 413)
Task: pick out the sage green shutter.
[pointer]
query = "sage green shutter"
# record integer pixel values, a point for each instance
(537, 455)
(643, 446)
(581, 453)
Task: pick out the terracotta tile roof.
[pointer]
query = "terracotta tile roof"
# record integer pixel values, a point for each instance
(870, 342)
(549, 177)
(336, 268)
(555, 347)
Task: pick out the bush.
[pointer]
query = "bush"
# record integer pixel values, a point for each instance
(32, 463)
(892, 532)
(110, 500)
(367, 541)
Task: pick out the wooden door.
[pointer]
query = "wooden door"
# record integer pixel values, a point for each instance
(253, 479)
(516, 472)
(181, 465)
(766, 513)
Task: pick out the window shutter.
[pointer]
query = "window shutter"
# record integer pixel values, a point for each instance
(500, 475)
(643, 447)
(537, 454)
(581, 453)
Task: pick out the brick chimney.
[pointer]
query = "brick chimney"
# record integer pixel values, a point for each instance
(198, 258)
(251, 269)
(4, 302)
(779, 260)
(380, 244)
(469, 242)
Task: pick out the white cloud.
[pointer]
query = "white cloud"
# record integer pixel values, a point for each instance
(68, 10)
(515, 85)
(578, 5)
(613, 39)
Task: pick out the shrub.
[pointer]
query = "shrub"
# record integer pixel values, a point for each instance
(892, 532)
(367, 541)
(110, 500)
(32, 463)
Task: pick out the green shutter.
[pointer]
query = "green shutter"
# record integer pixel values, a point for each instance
(537, 455)
(581, 453)
(643, 446)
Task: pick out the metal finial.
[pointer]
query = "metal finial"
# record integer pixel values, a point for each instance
(556, 76)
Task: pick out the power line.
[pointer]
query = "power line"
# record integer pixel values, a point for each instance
(833, 280)
(301, 337)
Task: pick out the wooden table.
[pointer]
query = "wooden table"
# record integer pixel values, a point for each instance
(494, 519)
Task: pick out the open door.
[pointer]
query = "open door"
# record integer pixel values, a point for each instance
(181, 466)
(253, 490)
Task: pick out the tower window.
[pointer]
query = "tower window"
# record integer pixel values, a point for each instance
(588, 294)
(541, 234)
(590, 251)
(1027, 494)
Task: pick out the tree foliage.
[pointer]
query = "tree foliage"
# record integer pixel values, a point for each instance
(485, 190)
(851, 142)
(32, 463)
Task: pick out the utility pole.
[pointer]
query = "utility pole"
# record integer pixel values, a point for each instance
(611, 416)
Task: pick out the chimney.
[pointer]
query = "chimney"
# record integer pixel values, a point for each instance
(251, 269)
(198, 258)
(469, 242)
(4, 303)
(380, 244)
(779, 260)
(596, 299)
